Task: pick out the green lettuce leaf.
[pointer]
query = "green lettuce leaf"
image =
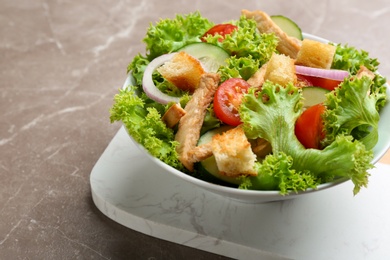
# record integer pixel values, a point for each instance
(243, 67)
(271, 114)
(352, 110)
(210, 120)
(169, 35)
(137, 67)
(144, 124)
(247, 41)
(276, 173)
(349, 58)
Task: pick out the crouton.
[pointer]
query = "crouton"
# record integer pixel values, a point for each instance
(191, 123)
(315, 54)
(281, 70)
(233, 153)
(172, 115)
(287, 45)
(184, 71)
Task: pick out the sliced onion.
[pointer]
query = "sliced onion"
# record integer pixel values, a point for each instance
(339, 75)
(148, 85)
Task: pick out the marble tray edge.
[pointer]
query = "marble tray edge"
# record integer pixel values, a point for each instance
(170, 233)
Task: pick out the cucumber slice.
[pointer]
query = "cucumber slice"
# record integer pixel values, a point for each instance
(211, 56)
(209, 165)
(313, 96)
(288, 26)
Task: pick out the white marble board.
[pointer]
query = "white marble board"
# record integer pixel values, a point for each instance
(331, 224)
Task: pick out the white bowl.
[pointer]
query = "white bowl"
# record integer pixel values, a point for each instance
(258, 196)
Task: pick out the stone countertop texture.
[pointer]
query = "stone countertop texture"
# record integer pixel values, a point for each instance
(61, 63)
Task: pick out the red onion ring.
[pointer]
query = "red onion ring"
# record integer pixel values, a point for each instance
(339, 75)
(148, 85)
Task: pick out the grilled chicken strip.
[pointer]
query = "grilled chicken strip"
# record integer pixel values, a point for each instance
(287, 45)
(258, 78)
(201, 152)
(191, 123)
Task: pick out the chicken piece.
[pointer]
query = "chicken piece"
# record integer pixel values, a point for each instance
(287, 45)
(261, 147)
(173, 115)
(280, 70)
(233, 153)
(191, 123)
(363, 71)
(258, 78)
(201, 152)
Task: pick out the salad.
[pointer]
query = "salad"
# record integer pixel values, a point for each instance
(252, 104)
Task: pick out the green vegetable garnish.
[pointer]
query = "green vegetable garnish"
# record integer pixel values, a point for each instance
(144, 124)
(353, 112)
(169, 35)
(247, 41)
(271, 114)
(243, 67)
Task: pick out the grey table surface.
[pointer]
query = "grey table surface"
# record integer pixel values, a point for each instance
(61, 63)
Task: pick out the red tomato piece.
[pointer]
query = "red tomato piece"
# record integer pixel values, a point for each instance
(221, 29)
(329, 84)
(227, 100)
(303, 82)
(309, 127)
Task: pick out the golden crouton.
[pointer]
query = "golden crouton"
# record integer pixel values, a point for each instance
(184, 71)
(281, 70)
(233, 153)
(173, 115)
(315, 54)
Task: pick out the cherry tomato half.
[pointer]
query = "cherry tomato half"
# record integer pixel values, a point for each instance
(329, 84)
(309, 127)
(221, 29)
(227, 100)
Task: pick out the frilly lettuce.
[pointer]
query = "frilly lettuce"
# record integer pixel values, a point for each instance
(249, 49)
(351, 109)
(169, 35)
(137, 66)
(351, 59)
(354, 107)
(243, 67)
(247, 41)
(271, 114)
(143, 122)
